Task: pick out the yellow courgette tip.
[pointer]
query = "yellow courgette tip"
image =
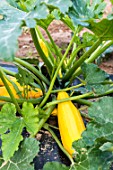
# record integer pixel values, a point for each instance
(70, 122)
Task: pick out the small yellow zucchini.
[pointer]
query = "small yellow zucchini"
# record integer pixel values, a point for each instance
(12, 78)
(70, 122)
(54, 112)
(31, 93)
(43, 47)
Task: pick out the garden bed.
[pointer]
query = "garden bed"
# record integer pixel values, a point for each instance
(60, 71)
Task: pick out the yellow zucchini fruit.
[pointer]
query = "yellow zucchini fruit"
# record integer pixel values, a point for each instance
(34, 93)
(31, 93)
(70, 122)
(12, 78)
(43, 47)
(3, 92)
(54, 112)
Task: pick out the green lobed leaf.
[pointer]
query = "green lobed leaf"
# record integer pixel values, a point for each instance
(24, 156)
(93, 132)
(56, 13)
(11, 140)
(55, 166)
(40, 12)
(23, 77)
(67, 20)
(13, 3)
(10, 29)
(29, 4)
(97, 140)
(45, 11)
(102, 29)
(95, 83)
(94, 159)
(11, 26)
(10, 129)
(63, 5)
(88, 39)
(98, 88)
(44, 23)
(11, 126)
(7, 117)
(30, 117)
(26, 5)
(102, 111)
(83, 11)
(96, 133)
(13, 19)
(101, 126)
(85, 157)
(91, 69)
(108, 146)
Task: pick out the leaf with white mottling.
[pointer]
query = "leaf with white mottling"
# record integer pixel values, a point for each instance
(96, 81)
(93, 159)
(97, 140)
(10, 29)
(84, 11)
(92, 69)
(24, 156)
(54, 166)
(108, 146)
(63, 5)
(102, 111)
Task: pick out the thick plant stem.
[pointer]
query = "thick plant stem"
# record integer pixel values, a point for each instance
(44, 119)
(110, 91)
(33, 69)
(67, 89)
(39, 33)
(68, 99)
(78, 63)
(46, 126)
(20, 101)
(11, 73)
(99, 51)
(41, 53)
(84, 102)
(70, 44)
(58, 53)
(94, 56)
(53, 80)
(73, 56)
(55, 74)
(3, 77)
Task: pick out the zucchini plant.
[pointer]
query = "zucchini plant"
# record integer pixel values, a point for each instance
(28, 97)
